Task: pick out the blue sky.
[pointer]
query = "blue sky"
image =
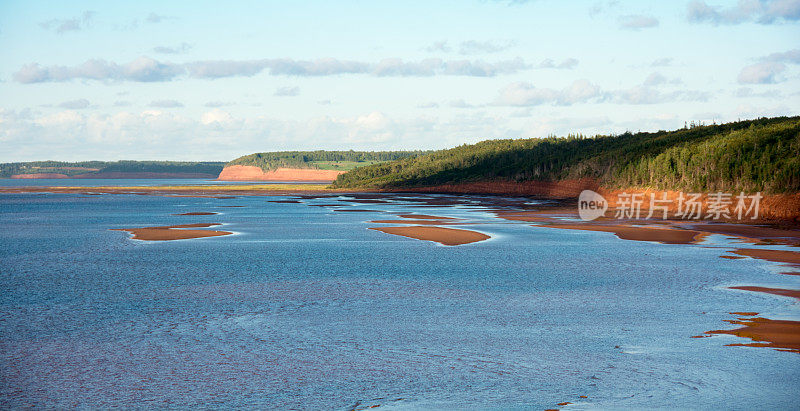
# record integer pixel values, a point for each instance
(195, 80)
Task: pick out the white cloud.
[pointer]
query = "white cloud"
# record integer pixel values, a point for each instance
(166, 103)
(761, 73)
(216, 116)
(62, 26)
(662, 62)
(637, 22)
(791, 56)
(179, 49)
(75, 104)
(287, 91)
(145, 69)
(760, 11)
(526, 94)
(567, 64)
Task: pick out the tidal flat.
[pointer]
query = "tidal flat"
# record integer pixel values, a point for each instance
(303, 304)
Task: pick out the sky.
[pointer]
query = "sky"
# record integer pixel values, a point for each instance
(211, 81)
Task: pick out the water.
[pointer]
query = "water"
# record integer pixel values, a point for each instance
(123, 182)
(304, 307)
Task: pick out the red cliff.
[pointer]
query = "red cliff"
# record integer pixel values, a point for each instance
(252, 173)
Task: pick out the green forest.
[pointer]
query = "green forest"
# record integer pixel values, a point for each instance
(125, 166)
(752, 155)
(325, 160)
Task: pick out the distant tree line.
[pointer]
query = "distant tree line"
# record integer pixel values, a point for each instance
(125, 166)
(304, 159)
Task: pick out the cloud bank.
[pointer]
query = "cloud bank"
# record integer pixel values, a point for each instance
(145, 69)
(759, 11)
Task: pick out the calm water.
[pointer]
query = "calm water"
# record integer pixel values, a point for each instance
(304, 307)
(124, 182)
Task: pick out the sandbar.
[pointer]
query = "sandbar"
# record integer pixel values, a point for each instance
(422, 222)
(776, 291)
(198, 213)
(662, 235)
(778, 256)
(783, 335)
(444, 236)
(425, 217)
(173, 232)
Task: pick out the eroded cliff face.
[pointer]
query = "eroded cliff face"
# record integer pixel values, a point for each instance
(252, 173)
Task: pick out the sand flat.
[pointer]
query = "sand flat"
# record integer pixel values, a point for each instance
(420, 222)
(783, 335)
(173, 232)
(625, 232)
(775, 291)
(444, 236)
(425, 217)
(777, 256)
(198, 213)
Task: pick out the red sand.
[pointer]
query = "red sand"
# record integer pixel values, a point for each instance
(445, 236)
(778, 256)
(173, 232)
(425, 217)
(198, 213)
(252, 173)
(663, 235)
(775, 291)
(779, 334)
(422, 222)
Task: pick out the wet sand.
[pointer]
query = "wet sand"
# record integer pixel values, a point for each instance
(426, 217)
(749, 231)
(776, 291)
(662, 235)
(198, 213)
(777, 256)
(782, 335)
(173, 232)
(422, 222)
(445, 236)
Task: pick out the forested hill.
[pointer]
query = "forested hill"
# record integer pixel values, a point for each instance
(73, 169)
(752, 155)
(322, 160)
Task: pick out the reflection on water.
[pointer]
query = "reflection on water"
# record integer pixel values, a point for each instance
(307, 308)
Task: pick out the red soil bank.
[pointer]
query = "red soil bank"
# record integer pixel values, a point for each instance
(252, 173)
(772, 206)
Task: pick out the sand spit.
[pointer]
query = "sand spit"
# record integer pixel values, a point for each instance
(625, 232)
(782, 335)
(444, 236)
(777, 256)
(421, 222)
(426, 217)
(173, 232)
(198, 213)
(775, 291)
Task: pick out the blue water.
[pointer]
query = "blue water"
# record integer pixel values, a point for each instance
(304, 307)
(124, 182)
